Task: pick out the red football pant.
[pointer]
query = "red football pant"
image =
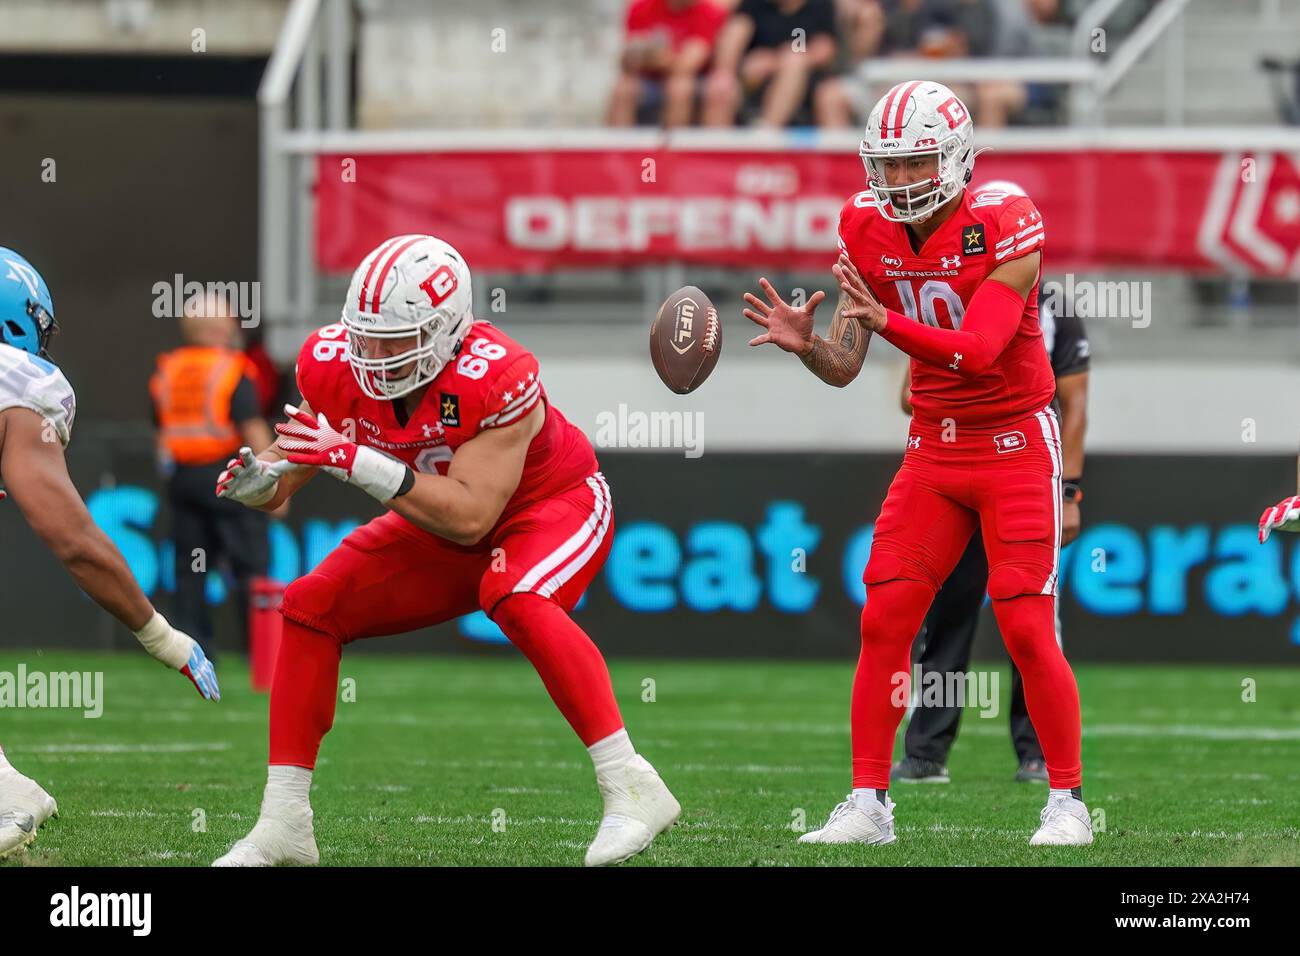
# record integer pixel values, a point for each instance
(1009, 480)
(388, 576)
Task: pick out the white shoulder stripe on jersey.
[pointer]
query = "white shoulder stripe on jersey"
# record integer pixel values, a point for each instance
(508, 413)
(1020, 248)
(1036, 227)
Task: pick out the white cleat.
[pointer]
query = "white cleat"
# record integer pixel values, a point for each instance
(857, 820)
(281, 837)
(1064, 822)
(24, 808)
(638, 807)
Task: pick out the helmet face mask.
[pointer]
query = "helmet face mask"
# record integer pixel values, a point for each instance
(413, 288)
(914, 120)
(913, 201)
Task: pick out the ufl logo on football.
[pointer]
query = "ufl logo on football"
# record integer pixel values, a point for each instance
(683, 329)
(1008, 442)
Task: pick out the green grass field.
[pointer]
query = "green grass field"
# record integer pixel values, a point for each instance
(434, 750)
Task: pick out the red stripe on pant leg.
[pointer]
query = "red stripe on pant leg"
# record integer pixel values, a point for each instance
(1028, 626)
(303, 694)
(566, 660)
(890, 619)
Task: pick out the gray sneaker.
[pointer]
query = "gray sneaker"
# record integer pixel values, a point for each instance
(1032, 771)
(916, 770)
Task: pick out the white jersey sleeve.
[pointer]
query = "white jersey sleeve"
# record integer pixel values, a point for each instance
(27, 381)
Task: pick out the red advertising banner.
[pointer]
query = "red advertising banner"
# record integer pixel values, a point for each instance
(533, 211)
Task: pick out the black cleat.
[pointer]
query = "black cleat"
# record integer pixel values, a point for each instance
(916, 770)
(1032, 771)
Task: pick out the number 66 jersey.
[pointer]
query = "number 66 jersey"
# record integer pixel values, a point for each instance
(492, 382)
(934, 285)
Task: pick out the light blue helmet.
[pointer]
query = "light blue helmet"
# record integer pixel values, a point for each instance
(26, 308)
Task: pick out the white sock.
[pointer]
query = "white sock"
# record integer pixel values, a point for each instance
(862, 794)
(4, 764)
(287, 787)
(612, 752)
(1061, 794)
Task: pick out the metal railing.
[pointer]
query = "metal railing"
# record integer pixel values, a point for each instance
(306, 101)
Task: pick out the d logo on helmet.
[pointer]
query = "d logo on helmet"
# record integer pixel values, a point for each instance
(440, 285)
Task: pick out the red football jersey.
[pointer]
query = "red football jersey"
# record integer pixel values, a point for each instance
(935, 284)
(492, 381)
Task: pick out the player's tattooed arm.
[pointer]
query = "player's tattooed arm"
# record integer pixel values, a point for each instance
(837, 358)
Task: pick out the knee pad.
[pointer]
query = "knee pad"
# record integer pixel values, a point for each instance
(311, 600)
(1009, 580)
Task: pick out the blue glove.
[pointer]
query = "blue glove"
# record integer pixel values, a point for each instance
(202, 673)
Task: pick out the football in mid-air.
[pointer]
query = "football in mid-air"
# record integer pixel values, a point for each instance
(685, 340)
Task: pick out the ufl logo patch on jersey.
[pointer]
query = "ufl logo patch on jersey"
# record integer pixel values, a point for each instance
(972, 239)
(449, 409)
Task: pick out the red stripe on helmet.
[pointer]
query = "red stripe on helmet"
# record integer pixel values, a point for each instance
(884, 116)
(902, 108)
(365, 285)
(383, 273)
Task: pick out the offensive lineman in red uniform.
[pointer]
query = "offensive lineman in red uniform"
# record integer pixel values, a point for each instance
(495, 502)
(950, 278)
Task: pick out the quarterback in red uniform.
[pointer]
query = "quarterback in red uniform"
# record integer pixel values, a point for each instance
(951, 278)
(494, 501)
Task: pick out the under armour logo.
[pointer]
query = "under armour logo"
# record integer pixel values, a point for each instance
(956, 360)
(950, 262)
(337, 456)
(428, 432)
(913, 441)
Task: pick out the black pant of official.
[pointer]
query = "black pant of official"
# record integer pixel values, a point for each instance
(228, 533)
(944, 645)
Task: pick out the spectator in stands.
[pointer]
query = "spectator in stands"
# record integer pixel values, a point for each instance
(862, 24)
(1023, 30)
(968, 28)
(783, 55)
(667, 48)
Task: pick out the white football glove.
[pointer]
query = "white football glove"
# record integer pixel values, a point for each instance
(250, 480)
(180, 652)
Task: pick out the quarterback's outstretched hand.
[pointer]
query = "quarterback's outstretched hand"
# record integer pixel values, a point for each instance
(1283, 516)
(250, 480)
(180, 652)
(788, 327)
(314, 441)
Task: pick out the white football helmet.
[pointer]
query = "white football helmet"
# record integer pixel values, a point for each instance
(409, 286)
(918, 118)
